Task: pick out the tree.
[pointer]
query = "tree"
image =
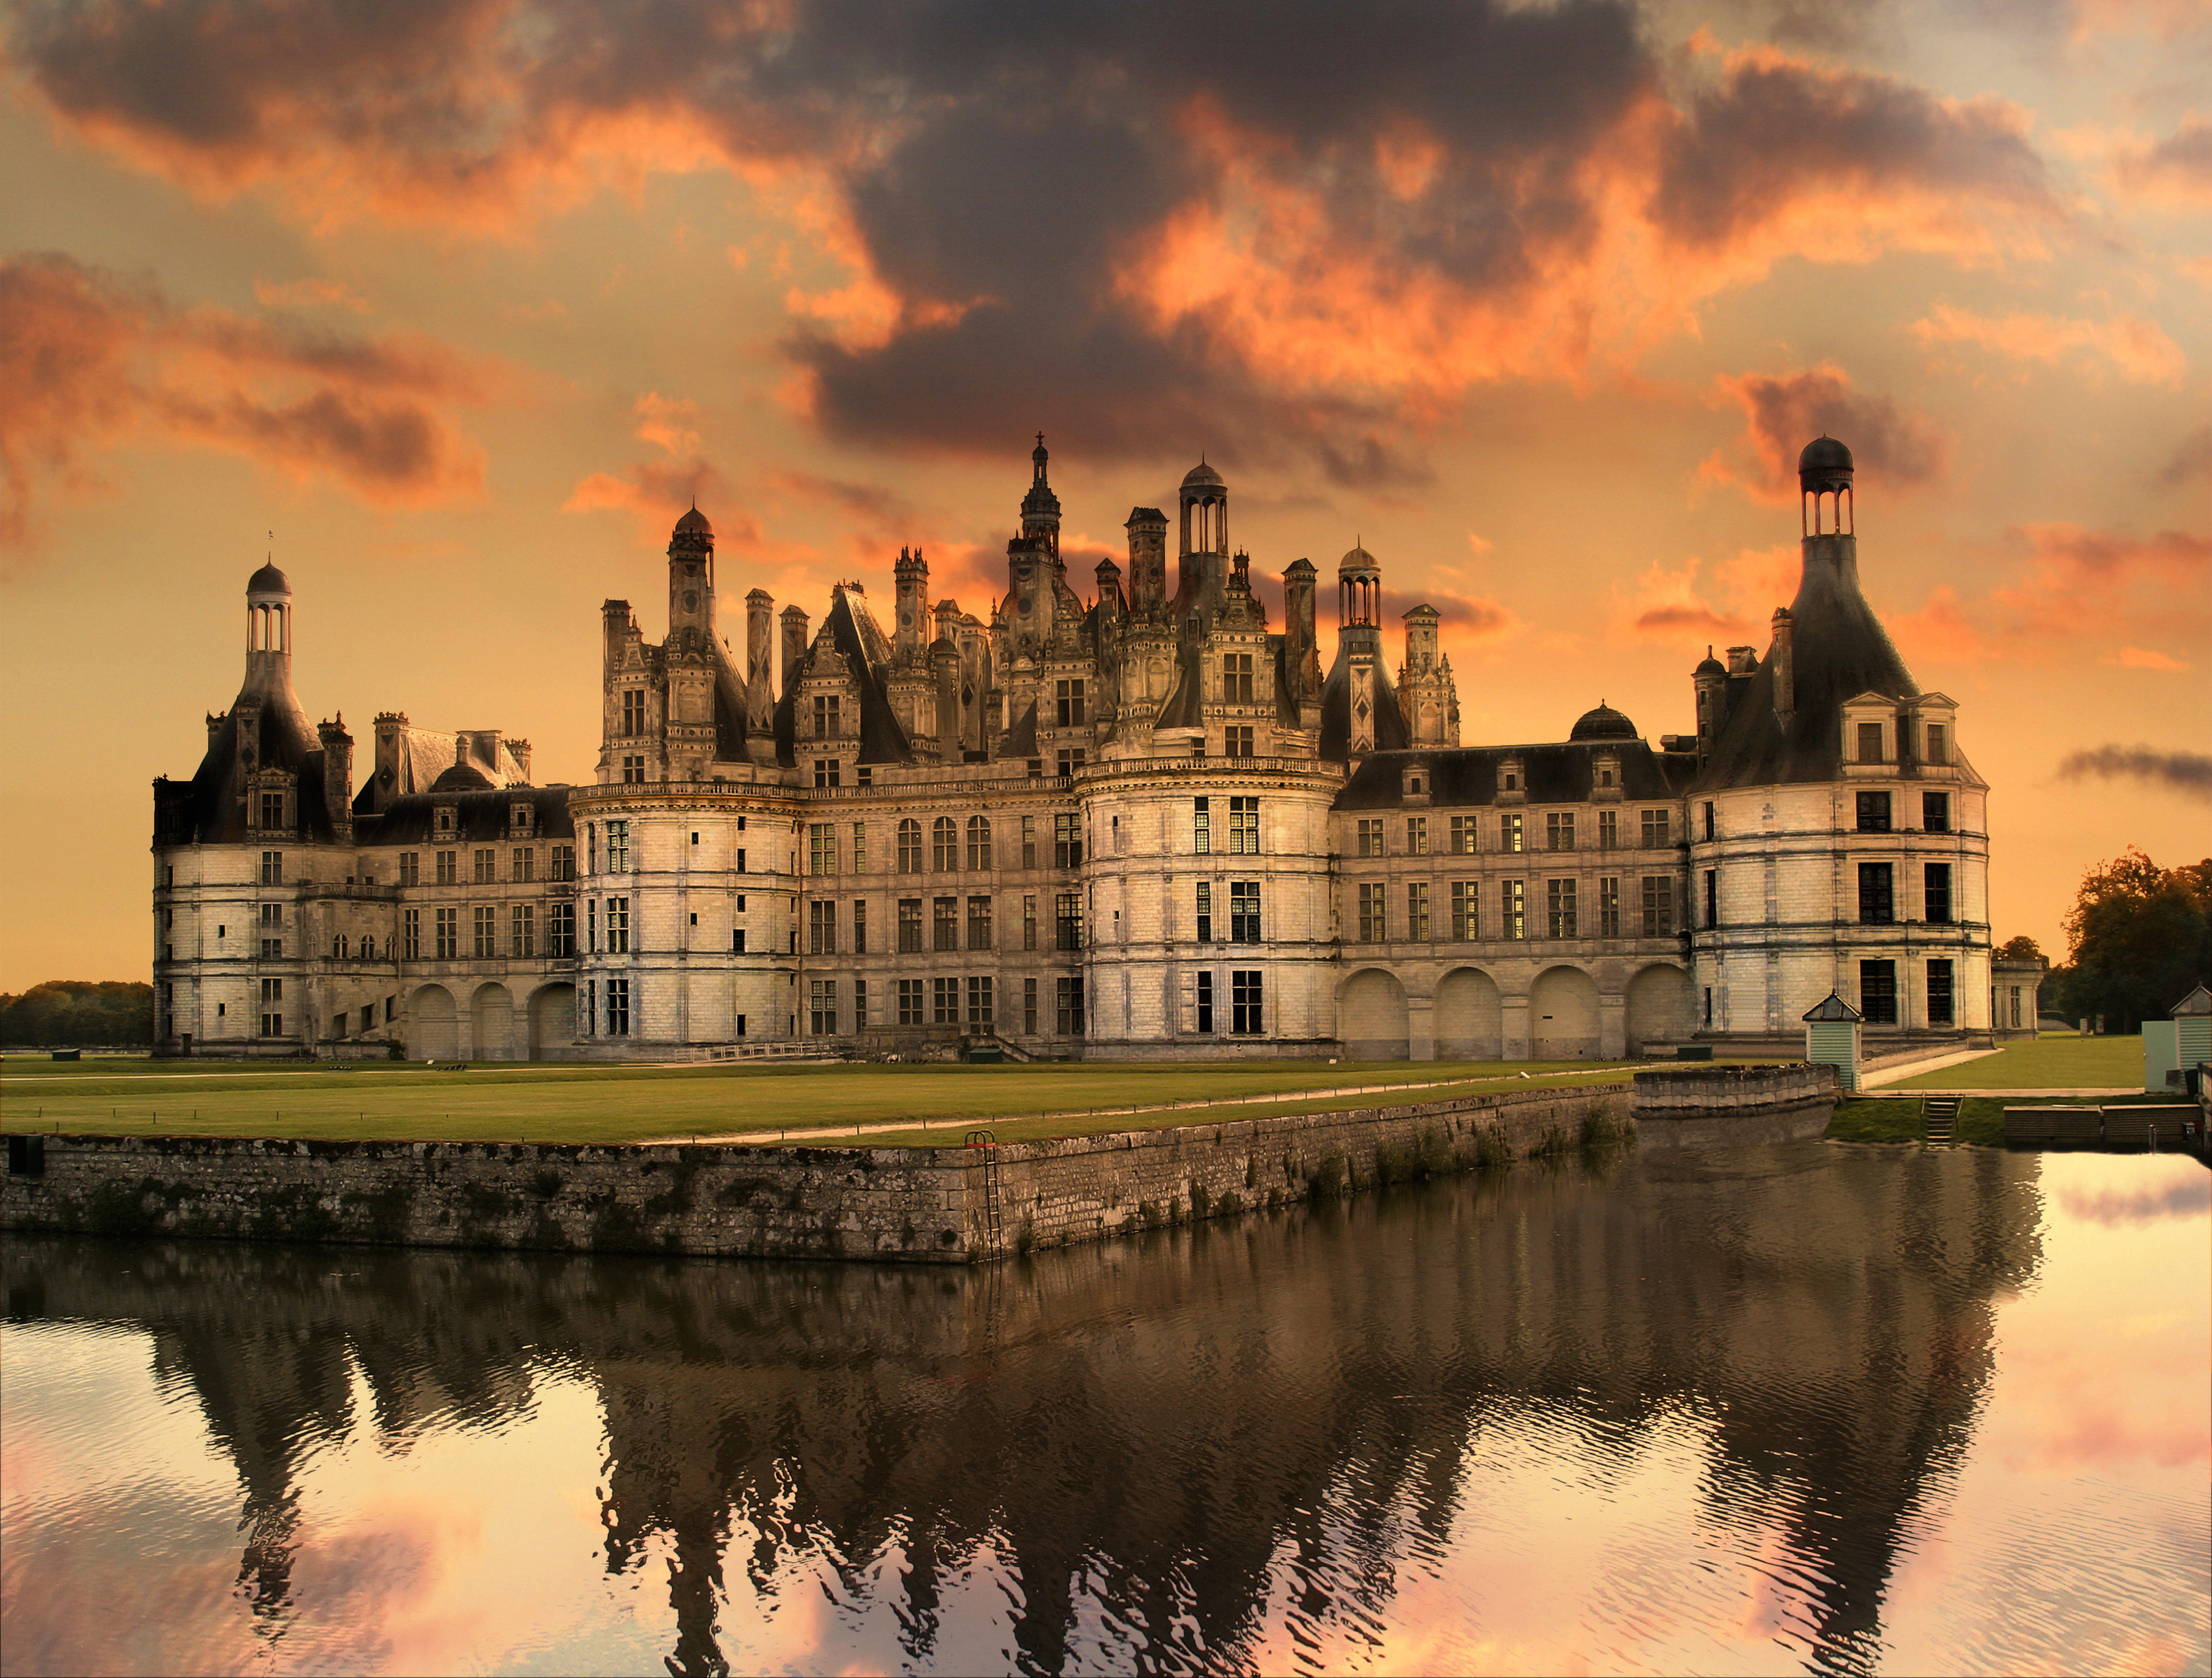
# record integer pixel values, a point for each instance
(111, 1014)
(2022, 949)
(2138, 936)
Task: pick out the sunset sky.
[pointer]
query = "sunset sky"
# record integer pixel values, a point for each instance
(464, 300)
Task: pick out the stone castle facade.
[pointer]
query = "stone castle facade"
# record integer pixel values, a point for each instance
(1145, 827)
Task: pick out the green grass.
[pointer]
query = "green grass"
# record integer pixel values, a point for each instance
(2072, 1062)
(1980, 1121)
(513, 1101)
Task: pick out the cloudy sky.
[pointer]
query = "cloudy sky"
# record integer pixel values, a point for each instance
(462, 300)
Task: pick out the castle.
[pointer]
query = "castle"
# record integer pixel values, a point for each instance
(1147, 827)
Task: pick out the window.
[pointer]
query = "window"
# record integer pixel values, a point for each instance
(1070, 700)
(826, 709)
(486, 928)
(909, 847)
(591, 925)
(1243, 827)
(518, 820)
(1873, 812)
(1509, 832)
(633, 770)
(272, 949)
(1029, 841)
(449, 868)
(1513, 909)
(633, 721)
(1416, 910)
(1067, 841)
(1869, 742)
(1370, 837)
(1560, 831)
(560, 930)
(1417, 836)
(1712, 825)
(1201, 826)
(410, 935)
(859, 847)
(1029, 1006)
(525, 864)
(1877, 895)
(1465, 911)
(1236, 680)
(1462, 835)
(618, 926)
(1244, 911)
(1940, 1002)
(486, 874)
(1205, 912)
(821, 847)
(737, 940)
(273, 1003)
(1070, 995)
(1712, 897)
(982, 1005)
(617, 1007)
(1936, 887)
(860, 927)
(979, 844)
(822, 927)
(1029, 923)
(272, 914)
(272, 810)
(1658, 906)
(1071, 760)
(411, 868)
(945, 923)
(1205, 1023)
(1657, 826)
(1939, 748)
(821, 1006)
(979, 922)
(449, 934)
(1244, 1004)
(1608, 830)
(943, 845)
(1237, 740)
(909, 925)
(564, 862)
(368, 1017)
(909, 1002)
(1935, 812)
(1608, 908)
(618, 847)
(447, 817)
(588, 1015)
(1559, 902)
(1878, 992)
(945, 1001)
(367, 948)
(1068, 918)
(827, 770)
(1374, 913)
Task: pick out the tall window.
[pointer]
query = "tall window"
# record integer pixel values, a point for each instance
(1466, 910)
(859, 847)
(411, 868)
(485, 874)
(1939, 748)
(943, 845)
(617, 1007)
(821, 926)
(1608, 830)
(909, 847)
(1069, 992)
(1508, 831)
(826, 772)
(272, 810)
(1029, 841)
(1936, 889)
(979, 844)
(1462, 835)
(410, 935)
(1067, 841)
(1935, 812)
(1417, 836)
(1370, 837)
(1243, 827)
(1560, 830)
(272, 1005)
(525, 864)
(1237, 678)
(633, 770)
(1712, 897)
(982, 1014)
(632, 720)
(1029, 923)
(1873, 812)
(909, 925)
(945, 923)
(1244, 911)
(564, 862)
(486, 942)
(1071, 760)
(1206, 911)
(449, 868)
(911, 1004)
(1068, 917)
(979, 922)
(1658, 829)
(560, 930)
(618, 847)
(1416, 910)
(1029, 1006)
(1374, 913)
(1244, 1004)
(618, 926)
(1712, 820)
(1869, 742)
(1204, 1002)
(821, 847)
(1559, 902)
(945, 1001)
(449, 935)
(1877, 893)
(1513, 909)
(860, 927)
(1878, 992)
(1201, 826)
(826, 717)
(1237, 740)
(821, 1006)
(1940, 999)
(1608, 908)
(1069, 695)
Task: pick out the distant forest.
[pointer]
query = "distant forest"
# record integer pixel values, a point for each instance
(68, 1011)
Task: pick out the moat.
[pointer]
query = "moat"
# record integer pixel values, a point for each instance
(1804, 1407)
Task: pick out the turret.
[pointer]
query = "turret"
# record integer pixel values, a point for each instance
(1420, 641)
(337, 777)
(268, 631)
(1204, 557)
(691, 575)
(1710, 680)
(795, 644)
(1784, 662)
(1148, 560)
(1040, 507)
(910, 635)
(1301, 649)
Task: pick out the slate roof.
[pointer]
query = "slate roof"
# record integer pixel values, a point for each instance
(1336, 707)
(853, 631)
(1562, 772)
(482, 819)
(210, 809)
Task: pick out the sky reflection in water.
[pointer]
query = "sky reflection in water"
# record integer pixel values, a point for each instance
(1809, 1408)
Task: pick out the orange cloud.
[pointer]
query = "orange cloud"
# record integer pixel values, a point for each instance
(667, 423)
(1670, 608)
(2136, 349)
(2142, 658)
(90, 360)
(2176, 171)
(310, 293)
(2067, 583)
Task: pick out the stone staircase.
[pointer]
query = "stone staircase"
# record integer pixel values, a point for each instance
(1940, 1113)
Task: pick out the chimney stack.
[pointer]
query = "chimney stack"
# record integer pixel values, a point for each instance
(1783, 665)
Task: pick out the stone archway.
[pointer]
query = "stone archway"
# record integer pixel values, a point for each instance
(491, 1015)
(1371, 1016)
(1659, 1008)
(1470, 1020)
(433, 1026)
(552, 1020)
(1562, 1015)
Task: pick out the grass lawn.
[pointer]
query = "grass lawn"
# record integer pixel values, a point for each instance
(1980, 1121)
(523, 1101)
(2071, 1061)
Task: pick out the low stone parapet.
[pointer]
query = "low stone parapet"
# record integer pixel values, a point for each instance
(1733, 1106)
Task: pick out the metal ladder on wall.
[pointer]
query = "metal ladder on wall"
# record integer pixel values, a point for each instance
(987, 1146)
(1940, 1113)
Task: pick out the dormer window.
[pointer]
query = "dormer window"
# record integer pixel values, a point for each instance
(1512, 781)
(827, 713)
(519, 818)
(447, 820)
(1605, 778)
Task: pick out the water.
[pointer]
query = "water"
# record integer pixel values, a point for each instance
(1806, 1408)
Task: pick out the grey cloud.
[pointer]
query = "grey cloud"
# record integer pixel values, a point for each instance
(2189, 773)
(2191, 462)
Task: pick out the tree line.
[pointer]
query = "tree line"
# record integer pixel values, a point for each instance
(66, 1012)
(2138, 937)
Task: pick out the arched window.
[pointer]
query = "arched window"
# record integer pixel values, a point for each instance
(979, 843)
(909, 847)
(943, 845)
(367, 948)
(338, 947)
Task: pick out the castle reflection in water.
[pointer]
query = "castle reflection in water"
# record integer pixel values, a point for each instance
(1114, 1418)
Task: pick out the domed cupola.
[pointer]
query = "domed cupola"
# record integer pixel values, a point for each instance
(1824, 483)
(1603, 724)
(693, 532)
